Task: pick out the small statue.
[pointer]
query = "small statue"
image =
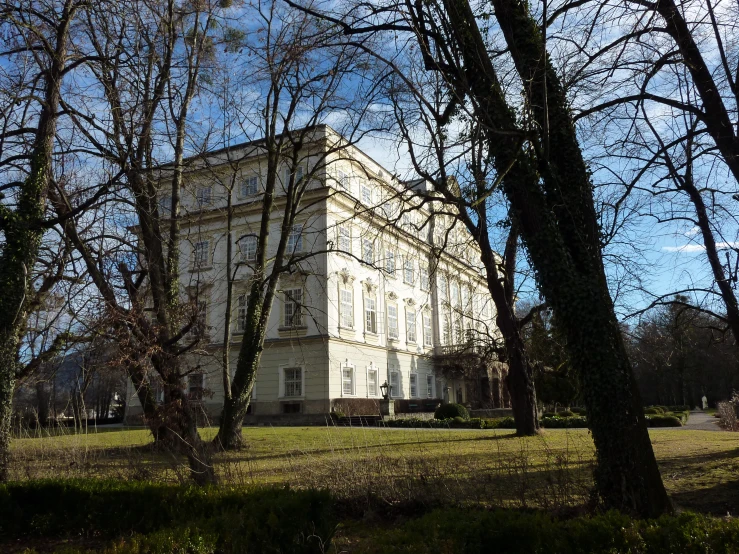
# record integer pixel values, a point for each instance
(705, 402)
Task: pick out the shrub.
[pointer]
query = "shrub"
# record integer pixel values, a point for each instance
(168, 518)
(458, 420)
(578, 411)
(566, 413)
(449, 411)
(663, 420)
(679, 408)
(572, 422)
(513, 532)
(652, 411)
(549, 414)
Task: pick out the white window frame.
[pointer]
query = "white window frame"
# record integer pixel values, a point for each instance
(408, 270)
(352, 381)
(249, 186)
(368, 251)
(295, 239)
(201, 254)
(373, 371)
(241, 310)
(346, 308)
(342, 179)
(428, 331)
(344, 240)
(370, 314)
(284, 382)
(455, 292)
(413, 385)
(443, 289)
(393, 327)
(292, 310)
(390, 263)
(191, 387)
(248, 252)
(204, 195)
(429, 385)
(424, 274)
(395, 393)
(410, 325)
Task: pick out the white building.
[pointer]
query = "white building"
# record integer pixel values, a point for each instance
(374, 299)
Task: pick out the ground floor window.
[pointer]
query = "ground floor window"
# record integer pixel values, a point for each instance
(347, 380)
(372, 382)
(195, 386)
(293, 381)
(414, 385)
(395, 391)
(429, 386)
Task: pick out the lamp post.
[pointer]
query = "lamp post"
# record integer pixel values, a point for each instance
(387, 404)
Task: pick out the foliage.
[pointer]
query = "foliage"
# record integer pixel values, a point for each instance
(571, 422)
(446, 411)
(473, 532)
(663, 421)
(170, 518)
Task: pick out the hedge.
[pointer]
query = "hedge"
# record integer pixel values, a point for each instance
(511, 532)
(449, 411)
(166, 518)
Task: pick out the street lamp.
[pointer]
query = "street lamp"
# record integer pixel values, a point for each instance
(383, 389)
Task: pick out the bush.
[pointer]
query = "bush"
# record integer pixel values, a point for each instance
(549, 414)
(652, 411)
(565, 413)
(578, 411)
(679, 408)
(450, 411)
(663, 421)
(169, 518)
(572, 422)
(513, 532)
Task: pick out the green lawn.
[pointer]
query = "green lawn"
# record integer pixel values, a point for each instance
(700, 468)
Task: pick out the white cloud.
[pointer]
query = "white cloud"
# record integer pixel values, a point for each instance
(692, 232)
(689, 248)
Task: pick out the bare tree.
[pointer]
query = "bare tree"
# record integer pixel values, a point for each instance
(37, 54)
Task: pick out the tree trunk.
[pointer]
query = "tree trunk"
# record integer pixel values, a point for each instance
(8, 352)
(551, 199)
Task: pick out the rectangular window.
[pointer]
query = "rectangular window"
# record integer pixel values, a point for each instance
(429, 386)
(165, 206)
(372, 382)
(443, 289)
(298, 173)
(447, 335)
(408, 271)
(485, 306)
(466, 299)
(368, 251)
(424, 278)
(390, 262)
(410, 326)
(370, 315)
(347, 381)
(395, 391)
(204, 196)
(346, 309)
(343, 179)
(199, 328)
(249, 186)
(248, 247)
(195, 386)
(201, 254)
(293, 307)
(366, 195)
(427, 336)
(414, 385)
(455, 294)
(241, 313)
(295, 239)
(345, 239)
(406, 221)
(392, 322)
(293, 381)
(458, 331)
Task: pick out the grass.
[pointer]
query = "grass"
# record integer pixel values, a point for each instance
(402, 466)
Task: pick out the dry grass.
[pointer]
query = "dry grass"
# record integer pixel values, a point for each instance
(372, 467)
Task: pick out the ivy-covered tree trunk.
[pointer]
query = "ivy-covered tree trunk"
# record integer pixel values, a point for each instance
(551, 199)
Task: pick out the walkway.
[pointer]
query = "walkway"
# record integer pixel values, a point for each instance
(700, 421)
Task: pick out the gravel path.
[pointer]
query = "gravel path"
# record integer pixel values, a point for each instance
(700, 421)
